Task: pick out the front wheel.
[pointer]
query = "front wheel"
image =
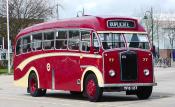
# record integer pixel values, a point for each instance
(92, 89)
(33, 86)
(144, 92)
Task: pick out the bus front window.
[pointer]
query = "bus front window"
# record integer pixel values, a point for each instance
(111, 40)
(137, 41)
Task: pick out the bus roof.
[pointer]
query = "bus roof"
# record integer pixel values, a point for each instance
(92, 22)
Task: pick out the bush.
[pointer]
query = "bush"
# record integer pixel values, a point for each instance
(3, 64)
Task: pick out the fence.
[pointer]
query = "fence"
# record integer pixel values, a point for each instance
(162, 62)
(4, 59)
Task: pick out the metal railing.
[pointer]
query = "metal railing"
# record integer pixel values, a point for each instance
(4, 59)
(162, 62)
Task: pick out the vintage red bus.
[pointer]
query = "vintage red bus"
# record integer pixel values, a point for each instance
(86, 55)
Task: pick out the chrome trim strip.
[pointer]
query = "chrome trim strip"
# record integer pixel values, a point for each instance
(130, 84)
(103, 66)
(53, 78)
(85, 66)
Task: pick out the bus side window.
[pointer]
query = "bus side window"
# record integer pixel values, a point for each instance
(18, 47)
(48, 42)
(74, 39)
(26, 44)
(85, 41)
(95, 43)
(37, 41)
(61, 40)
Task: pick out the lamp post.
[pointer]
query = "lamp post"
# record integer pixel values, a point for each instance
(57, 9)
(82, 12)
(152, 21)
(158, 38)
(8, 36)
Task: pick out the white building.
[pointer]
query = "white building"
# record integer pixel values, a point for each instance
(163, 33)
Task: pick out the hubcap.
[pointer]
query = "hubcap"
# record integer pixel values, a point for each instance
(32, 85)
(91, 88)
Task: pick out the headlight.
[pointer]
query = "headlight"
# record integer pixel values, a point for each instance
(146, 72)
(112, 73)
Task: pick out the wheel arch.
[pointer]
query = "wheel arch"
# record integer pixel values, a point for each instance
(96, 72)
(23, 82)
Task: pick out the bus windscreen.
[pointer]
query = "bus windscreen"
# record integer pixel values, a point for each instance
(118, 40)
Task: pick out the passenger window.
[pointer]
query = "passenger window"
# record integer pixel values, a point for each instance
(74, 39)
(26, 44)
(18, 47)
(85, 40)
(61, 40)
(48, 40)
(95, 42)
(37, 41)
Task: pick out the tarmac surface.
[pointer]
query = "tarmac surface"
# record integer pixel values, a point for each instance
(163, 95)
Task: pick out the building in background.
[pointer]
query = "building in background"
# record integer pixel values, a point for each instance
(166, 38)
(163, 34)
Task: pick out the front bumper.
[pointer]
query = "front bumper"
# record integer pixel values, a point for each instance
(130, 85)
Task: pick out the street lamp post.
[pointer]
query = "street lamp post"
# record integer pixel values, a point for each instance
(152, 22)
(56, 7)
(57, 10)
(82, 12)
(158, 39)
(8, 36)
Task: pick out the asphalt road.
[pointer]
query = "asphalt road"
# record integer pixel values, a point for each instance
(163, 95)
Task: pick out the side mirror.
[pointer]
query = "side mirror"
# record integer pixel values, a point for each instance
(95, 50)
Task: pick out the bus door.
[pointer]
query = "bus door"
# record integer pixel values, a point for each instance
(85, 49)
(89, 49)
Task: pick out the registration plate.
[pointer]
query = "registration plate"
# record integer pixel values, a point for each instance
(128, 88)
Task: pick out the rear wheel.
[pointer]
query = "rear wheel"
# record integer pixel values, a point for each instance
(144, 92)
(33, 86)
(92, 89)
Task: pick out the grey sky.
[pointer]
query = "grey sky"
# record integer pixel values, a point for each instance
(114, 7)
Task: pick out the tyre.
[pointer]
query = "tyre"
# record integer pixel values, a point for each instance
(33, 86)
(144, 92)
(92, 89)
(42, 92)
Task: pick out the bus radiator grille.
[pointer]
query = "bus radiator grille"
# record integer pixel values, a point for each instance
(128, 61)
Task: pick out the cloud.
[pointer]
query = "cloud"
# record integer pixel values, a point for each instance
(87, 6)
(113, 7)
